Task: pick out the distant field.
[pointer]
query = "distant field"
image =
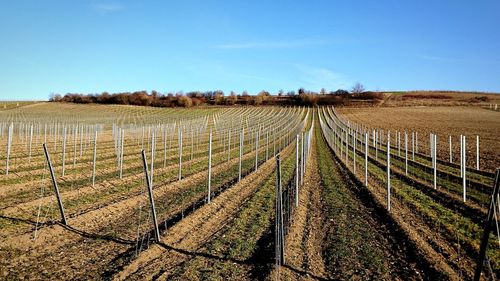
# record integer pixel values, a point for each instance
(443, 121)
(431, 98)
(5, 105)
(96, 113)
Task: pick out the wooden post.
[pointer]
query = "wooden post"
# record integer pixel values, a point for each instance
(54, 183)
(151, 198)
(487, 227)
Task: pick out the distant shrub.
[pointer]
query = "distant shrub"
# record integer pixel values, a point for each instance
(369, 96)
(479, 99)
(185, 101)
(427, 96)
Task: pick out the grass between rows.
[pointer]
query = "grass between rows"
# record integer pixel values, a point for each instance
(246, 239)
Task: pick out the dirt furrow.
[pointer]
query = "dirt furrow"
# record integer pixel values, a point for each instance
(100, 249)
(181, 241)
(304, 259)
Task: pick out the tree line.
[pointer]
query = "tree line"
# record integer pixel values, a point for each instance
(197, 98)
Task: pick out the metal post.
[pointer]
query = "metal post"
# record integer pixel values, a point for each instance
(54, 183)
(451, 158)
(302, 160)
(399, 143)
(267, 144)
(75, 130)
(413, 146)
(179, 143)
(461, 156)
(64, 150)
(229, 145)
(435, 160)
(354, 152)
(256, 149)
(31, 139)
(406, 153)
(209, 164)
(477, 152)
(388, 171)
(464, 166)
(9, 144)
(297, 171)
(164, 146)
(366, 159)
(153, 146)
(241, 155)
(416, 142)
(280, 243)
(93, 165)
(151, 198)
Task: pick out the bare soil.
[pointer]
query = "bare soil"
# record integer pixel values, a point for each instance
(443, 121)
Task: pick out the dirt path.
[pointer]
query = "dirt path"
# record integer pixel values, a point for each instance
(304, 241)
(183, 240)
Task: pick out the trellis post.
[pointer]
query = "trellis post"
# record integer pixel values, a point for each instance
(54, 183)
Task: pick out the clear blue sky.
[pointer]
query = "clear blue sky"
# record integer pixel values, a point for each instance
(94, 46)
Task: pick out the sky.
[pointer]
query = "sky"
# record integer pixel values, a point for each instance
(91, 46)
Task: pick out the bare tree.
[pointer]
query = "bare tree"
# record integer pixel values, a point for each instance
(358, 88)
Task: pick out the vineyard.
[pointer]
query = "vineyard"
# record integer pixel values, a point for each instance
(243, 193)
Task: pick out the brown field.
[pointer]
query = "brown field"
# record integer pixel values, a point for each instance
(444, 98)
(341, 228)
(443, 121)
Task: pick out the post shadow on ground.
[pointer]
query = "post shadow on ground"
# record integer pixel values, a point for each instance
(236, 261)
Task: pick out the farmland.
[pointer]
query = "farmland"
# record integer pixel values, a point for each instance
(213, 175)
(443, 121)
